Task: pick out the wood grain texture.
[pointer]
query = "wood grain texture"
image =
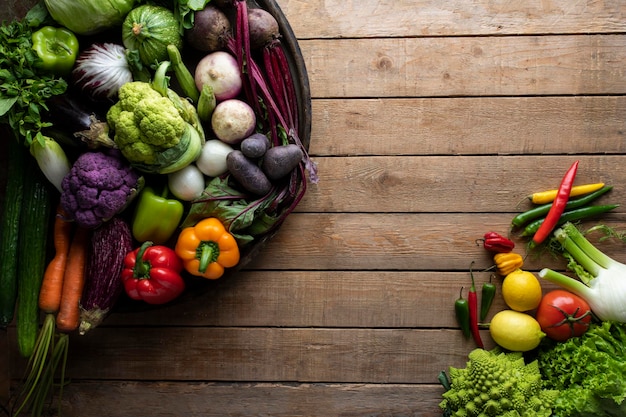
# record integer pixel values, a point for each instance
(269, 354)
(432, 122)
(466, 66)
(331, 19)
(201, 399)
(468, 126)
(448, 184)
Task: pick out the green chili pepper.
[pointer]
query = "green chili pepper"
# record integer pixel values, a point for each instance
(540, 211)
(576, 214)
(461, 308)
(487, 295)
(57, 48)
(156, 217)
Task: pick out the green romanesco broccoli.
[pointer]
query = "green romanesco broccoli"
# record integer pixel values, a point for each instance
(155, 133)
(497, 383)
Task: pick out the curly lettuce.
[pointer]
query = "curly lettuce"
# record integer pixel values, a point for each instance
(589, 371)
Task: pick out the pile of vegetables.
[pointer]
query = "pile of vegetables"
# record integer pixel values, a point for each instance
(158, 142)
(573, 339)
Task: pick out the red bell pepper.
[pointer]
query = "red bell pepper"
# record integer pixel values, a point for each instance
(153, 274)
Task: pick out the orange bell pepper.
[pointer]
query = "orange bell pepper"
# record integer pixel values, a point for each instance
(207, 249)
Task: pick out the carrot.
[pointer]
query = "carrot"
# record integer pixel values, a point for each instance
(68, 317)
(52, 284)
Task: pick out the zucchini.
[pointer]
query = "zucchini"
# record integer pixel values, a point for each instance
(184, 77)
(12, 206)
(31, 260)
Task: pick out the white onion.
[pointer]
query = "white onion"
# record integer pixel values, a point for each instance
(101, 70)
(212, 160)
(186, 184)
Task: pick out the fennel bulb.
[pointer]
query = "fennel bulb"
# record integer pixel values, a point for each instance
(602, 281)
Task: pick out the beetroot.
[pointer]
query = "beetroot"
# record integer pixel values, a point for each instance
(210, 30)
(263, 28)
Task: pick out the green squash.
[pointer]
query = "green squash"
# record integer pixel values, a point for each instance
(148, 29)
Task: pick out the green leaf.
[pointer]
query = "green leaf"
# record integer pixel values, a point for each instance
(6, 104)
(196, 4)
(241, 217)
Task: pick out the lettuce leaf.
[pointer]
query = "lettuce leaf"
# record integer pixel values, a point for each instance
(590, 372)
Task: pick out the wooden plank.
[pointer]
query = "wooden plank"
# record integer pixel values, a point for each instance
(262, 354)
(449, 184)
(414, 242)
(409, 18)
(453, 66)
(336, 299)
(91, 398)
(469, 126)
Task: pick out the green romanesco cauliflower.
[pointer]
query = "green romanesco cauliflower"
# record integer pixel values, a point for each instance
(497, 383)
(155, 133)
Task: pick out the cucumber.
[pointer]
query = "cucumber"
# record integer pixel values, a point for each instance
(31, 259)
(9, 226)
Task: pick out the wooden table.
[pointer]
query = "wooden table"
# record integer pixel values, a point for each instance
(432, 121)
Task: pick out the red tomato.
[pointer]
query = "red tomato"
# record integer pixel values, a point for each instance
(562, 315)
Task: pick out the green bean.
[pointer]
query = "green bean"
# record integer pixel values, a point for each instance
(539, 211)
(576, 214)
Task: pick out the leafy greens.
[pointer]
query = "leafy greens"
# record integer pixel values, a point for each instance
(24, 87)
(589, 371)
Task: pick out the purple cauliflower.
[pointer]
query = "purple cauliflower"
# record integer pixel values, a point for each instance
(99, 185)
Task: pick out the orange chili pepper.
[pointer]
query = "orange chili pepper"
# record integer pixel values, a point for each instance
(206, 249)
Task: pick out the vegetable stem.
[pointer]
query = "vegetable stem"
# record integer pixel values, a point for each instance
(566, 282)
(590, 251)
(208, 254)
(572, 247)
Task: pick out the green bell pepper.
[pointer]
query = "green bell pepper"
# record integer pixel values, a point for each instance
(57, 48)
(156, 216)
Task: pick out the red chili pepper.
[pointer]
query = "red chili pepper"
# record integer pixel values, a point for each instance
(558, 206)
(495, 242)
(152, 274)
(472, 299)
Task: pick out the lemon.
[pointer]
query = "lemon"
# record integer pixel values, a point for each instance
(521, 290)
(515, 331)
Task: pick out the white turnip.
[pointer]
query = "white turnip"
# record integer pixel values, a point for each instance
(210, 31)
(232, 121)
(220, 71)
(263, 28)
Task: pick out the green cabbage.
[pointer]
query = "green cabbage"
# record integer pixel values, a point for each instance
(87, 17)
(589, 371)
